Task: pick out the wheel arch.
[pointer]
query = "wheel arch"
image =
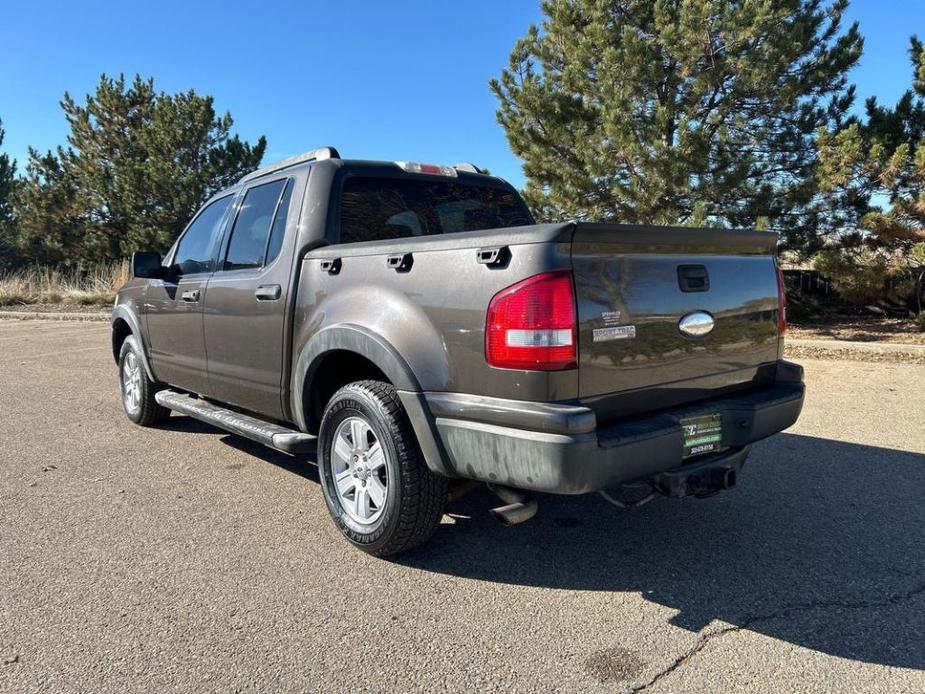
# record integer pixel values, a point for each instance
(125, 323)
(363, 355)
(345, 346)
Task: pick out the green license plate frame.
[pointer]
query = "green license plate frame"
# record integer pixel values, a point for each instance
(702, 434)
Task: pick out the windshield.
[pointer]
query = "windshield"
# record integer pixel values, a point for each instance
(381, 208)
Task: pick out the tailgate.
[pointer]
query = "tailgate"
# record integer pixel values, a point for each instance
(635, 285)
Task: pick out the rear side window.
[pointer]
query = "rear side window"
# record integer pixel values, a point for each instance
(251, 233)
(379, 208)
(279, 225)
(198, 247)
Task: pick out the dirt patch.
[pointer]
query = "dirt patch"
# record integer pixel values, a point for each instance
(614, 664)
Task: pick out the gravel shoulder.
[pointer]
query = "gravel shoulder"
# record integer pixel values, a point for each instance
(867, 329)
(844, 350)
(55, 309)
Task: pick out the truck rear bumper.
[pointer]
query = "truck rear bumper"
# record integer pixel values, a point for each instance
(560, 449)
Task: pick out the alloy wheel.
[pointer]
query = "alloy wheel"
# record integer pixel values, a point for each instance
(359, 471)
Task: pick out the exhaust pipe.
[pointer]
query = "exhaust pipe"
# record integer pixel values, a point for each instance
(512, 514)
(519, 505)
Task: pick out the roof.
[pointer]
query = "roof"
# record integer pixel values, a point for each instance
(311, 155)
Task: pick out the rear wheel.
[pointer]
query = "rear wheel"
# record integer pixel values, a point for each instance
(137, 390)
(378, 489)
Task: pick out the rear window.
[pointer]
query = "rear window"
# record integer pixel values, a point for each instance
(375, 208)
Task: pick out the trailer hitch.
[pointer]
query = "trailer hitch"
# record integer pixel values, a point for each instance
(700, 479)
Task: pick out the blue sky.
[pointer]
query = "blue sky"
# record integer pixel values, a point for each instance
(378, 80)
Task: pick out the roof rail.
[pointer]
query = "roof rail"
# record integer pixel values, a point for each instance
(466, 166)
(311, 155)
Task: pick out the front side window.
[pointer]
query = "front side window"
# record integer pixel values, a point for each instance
(251, 232)
(381, 208)
(196, 250)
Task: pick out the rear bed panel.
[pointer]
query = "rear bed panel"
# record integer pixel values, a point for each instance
(433, 314)
(626, 278)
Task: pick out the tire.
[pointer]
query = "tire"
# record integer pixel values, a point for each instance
(384, 456)
(136, 389)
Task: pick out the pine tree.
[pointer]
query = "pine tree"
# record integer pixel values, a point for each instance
(654, 112)
(8, 252)
(873, 171)
(137, 166)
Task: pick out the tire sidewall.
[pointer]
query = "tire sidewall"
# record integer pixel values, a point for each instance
(130, 346)
(355, 402)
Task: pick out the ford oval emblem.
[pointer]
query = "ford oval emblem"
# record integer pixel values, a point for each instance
(696, 324)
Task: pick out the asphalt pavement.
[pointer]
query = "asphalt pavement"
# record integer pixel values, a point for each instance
(185, 559)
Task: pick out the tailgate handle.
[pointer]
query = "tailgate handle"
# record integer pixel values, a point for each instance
(693, 278)
(400, 262)
(331, 266)
(498, 256)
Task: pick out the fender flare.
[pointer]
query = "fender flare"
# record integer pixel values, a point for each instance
(124, 313)
(364, 342)
(347, 338)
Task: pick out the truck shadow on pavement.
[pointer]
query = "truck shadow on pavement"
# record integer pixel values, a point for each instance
(282, 460)
(822, 545)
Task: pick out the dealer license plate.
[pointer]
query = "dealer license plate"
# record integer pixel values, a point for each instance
(702, 434)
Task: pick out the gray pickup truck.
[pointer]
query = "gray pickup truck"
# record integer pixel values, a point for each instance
(410, 328)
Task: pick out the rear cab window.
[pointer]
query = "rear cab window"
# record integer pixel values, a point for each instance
(379, 208)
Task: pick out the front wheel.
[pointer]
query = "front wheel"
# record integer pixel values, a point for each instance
(377, 487)
(137, 390)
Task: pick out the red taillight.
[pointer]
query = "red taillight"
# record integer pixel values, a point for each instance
(531, 325)
(781, 303)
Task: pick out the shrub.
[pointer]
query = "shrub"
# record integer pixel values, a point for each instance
(859, 278)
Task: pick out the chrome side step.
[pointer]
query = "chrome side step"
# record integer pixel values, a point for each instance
(272, 435)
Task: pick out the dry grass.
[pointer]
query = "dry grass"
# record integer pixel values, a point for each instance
(79, 286)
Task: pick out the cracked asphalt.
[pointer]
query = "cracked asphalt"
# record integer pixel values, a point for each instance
(186, 559)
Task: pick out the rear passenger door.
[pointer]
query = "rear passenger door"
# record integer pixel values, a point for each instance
(245, 308)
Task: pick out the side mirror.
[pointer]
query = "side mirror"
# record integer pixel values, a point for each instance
(147, 265)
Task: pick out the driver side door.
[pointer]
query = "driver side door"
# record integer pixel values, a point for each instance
(174, 304)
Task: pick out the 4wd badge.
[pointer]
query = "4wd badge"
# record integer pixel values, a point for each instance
(619, 332)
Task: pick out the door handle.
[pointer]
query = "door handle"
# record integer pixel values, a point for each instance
(191, 295)
(331, 266)
(268, 292)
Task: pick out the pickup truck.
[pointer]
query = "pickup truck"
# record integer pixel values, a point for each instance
(414, 331)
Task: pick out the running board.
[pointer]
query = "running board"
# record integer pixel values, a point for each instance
(272, 435)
